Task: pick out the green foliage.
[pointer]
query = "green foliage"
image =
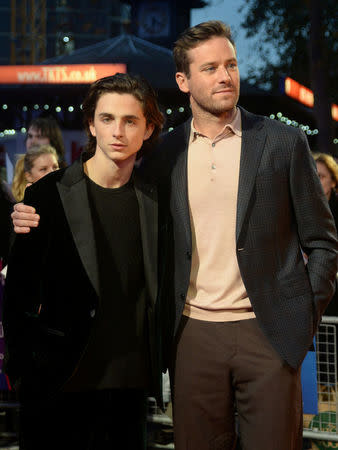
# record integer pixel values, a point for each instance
(282, 32)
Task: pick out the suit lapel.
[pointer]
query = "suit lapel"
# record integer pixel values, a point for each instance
(253, 141)
(147, 201)
(180, 199)
(74, 197)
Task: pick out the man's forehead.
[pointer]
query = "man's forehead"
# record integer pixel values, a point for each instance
(35, 131)
(208, 44)
(119, 104)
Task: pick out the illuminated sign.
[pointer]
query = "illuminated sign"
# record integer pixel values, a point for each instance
(334, 111)
(304, 95)
(58, 74)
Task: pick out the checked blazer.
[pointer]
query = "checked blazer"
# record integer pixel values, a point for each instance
(281, 211)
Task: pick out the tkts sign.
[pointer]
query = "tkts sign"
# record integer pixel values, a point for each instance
(58, 74)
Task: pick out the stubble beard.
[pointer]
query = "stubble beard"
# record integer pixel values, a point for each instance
(217, 110)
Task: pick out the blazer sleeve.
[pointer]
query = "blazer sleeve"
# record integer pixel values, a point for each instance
(316, 228)
(22, 295)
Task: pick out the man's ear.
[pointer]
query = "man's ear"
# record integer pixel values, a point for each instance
(91, 127)
(149, 131)
(181, 80)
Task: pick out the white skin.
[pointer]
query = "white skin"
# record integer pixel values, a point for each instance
(213, 84)
(34, 137)
(213, 87)
(42, 165)
(120, 128)
(328, 183)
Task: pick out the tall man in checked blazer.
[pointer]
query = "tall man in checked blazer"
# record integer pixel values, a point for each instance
(79, 313)
(244, 202)
(239, 202)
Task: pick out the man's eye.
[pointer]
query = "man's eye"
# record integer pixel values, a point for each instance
(209, 69)
(232, 66)
(106, 120)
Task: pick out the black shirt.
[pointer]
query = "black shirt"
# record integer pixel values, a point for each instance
(116, 355)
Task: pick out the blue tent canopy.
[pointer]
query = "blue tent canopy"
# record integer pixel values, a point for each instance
(151, 61)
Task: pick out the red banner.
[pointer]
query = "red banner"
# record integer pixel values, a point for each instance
(304, 95)
(58, 74)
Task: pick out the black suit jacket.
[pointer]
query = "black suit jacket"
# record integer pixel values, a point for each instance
(281, 208)
(6, 207)
(52, 291)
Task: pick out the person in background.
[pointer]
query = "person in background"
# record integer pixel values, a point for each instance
(45, 130)
(81, 289)
(37, 162)
(327, 169)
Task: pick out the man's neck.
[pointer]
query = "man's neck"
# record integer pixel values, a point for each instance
(108, 174)
(211, 125)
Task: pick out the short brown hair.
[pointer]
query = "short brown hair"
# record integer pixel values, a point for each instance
(123, 83)
(194, 36)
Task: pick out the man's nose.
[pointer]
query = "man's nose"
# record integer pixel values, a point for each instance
(224, 74)
(118, 129)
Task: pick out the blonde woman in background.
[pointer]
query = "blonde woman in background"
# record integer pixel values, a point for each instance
(327, 169)
(37, 162)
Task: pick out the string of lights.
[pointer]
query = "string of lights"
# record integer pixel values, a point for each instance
(169, 112)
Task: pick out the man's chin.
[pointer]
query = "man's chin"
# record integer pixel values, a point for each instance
(220, 109)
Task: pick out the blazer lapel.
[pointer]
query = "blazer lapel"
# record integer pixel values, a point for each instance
(253, 141)
(179, 180)
(147, 201)
(74, 196)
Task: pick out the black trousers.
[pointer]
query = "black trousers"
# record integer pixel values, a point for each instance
(95, 420)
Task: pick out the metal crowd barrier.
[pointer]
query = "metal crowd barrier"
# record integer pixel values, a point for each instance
(322, 427)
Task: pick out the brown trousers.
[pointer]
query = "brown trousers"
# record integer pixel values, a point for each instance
(228, 380)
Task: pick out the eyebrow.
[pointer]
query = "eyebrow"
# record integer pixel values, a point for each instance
(214, 62)
(129, 116)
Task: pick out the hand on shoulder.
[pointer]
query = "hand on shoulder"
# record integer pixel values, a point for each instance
(24, 218)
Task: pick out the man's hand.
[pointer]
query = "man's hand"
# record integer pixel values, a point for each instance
(24, 218)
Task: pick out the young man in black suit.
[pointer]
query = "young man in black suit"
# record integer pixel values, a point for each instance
(81, 288)
(240, 200)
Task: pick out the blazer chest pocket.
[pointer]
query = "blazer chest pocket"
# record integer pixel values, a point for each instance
(272, 178)
(271, 188)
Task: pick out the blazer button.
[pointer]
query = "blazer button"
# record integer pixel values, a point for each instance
(189, 255)
(182, 296)
(92, 313)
